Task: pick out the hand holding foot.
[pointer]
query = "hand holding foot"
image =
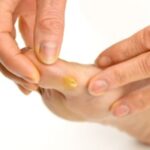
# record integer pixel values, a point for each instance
(63, 87)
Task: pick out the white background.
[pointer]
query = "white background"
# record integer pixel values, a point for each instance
(91, 26)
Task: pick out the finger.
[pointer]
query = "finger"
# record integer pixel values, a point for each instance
(49, 29)
(10, 55)
(17, 80)
(133, 103)
(132, 70)
(26, 26)
(126, 49)
(26, 11)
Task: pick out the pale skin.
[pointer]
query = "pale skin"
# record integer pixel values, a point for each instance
(65, 92)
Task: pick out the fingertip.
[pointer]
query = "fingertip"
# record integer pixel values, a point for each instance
(104, 61)
(33, 77)
(47, 55)
(47, 62)
(120, 110)
(97, 87)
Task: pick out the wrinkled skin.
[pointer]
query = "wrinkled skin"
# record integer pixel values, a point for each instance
(77, 104)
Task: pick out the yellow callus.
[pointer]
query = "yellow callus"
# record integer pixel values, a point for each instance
(70, 82)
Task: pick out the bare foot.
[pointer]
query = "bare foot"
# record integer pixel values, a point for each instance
(63, 87)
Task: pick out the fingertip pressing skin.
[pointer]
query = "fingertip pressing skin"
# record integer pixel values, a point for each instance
(98, 86)
(51, 60)
(119, 110)
(34, 78)
(129, 65)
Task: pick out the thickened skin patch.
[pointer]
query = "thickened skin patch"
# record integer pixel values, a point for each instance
(70, 82)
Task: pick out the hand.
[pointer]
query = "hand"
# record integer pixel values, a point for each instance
(47, 17)
(133, 55)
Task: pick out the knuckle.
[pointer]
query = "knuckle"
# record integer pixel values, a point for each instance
(118, 77)
(145, 64)
(124, 53)
(146, 38)
(52, 22)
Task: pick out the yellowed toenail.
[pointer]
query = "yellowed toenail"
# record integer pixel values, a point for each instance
(70, 82)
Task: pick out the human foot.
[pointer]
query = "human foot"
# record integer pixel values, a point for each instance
(63, 87)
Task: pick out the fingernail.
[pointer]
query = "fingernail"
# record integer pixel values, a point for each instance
(48, 52)
(31, 80)
(121, 111)
(105, 61)
(99, 87)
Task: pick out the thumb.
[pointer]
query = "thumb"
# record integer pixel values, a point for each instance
(49, 29)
